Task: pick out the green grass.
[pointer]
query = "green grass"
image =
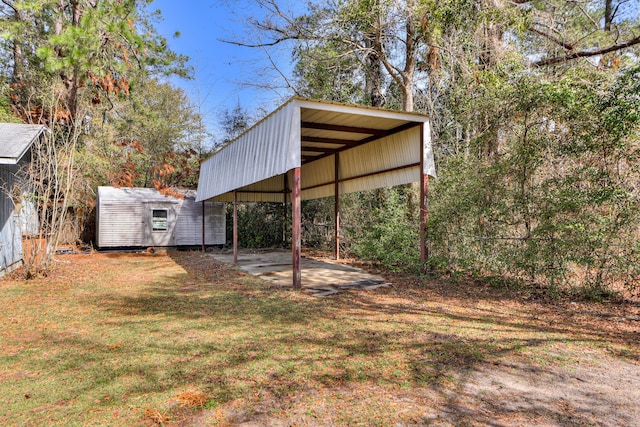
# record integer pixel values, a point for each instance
(116, 340)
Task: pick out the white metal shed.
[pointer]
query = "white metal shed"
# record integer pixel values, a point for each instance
(309, 149)
(143, 217)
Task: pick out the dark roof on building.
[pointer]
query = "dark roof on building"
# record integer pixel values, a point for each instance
(16, 140)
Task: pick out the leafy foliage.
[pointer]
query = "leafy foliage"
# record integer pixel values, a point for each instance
(90, 69)
(382, 227)
(534, 118)
(560, 204)
(260, 225)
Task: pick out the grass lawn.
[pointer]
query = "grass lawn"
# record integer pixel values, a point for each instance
(181, 339)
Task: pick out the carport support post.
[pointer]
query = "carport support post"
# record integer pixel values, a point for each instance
(296, 241)
(284, 209)
(424, 206)
(235, 227)
(336, 203)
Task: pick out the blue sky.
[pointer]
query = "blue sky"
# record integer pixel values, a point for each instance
(221, 70)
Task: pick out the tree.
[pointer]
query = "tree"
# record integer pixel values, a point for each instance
(595, 28)
(88, 69)
(154, 137)
(536, 181)
(532, 183)
(92, 46)
(233, 122)
(378, 34)
(48, 187)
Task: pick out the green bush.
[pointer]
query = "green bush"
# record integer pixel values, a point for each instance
(383, 226)
(559, 205)
(260, 225)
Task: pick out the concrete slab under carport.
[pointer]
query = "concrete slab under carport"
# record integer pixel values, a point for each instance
(319, 277)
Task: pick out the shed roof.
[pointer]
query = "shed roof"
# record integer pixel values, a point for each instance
(15, 141)
(141, 195)
(376, 148)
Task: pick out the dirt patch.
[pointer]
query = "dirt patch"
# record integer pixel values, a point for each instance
(596, 390)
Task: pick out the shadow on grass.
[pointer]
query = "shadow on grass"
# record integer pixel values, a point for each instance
(212, 327)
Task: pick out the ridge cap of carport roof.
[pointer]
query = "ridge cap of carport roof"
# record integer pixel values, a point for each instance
(415, 114)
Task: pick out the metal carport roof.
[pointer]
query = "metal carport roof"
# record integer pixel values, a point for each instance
(377, 148)
(309, 149)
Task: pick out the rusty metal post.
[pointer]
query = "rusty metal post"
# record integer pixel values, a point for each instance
(284, 210)
(296, 241)
(336, 204)
(235, 227)
(424, 206)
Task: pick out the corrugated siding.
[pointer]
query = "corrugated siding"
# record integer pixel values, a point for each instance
(316, 173)
(10, 236)
(428, 157)
(27, 217)
(270, 148)
(268, 190)
(395, 151)
(121, 223)
(124, 219)
(188, 230)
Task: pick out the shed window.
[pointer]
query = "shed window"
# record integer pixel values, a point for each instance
(160, 220)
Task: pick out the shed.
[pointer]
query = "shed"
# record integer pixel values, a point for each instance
(15, 154)
(309, 149)
(143, 217)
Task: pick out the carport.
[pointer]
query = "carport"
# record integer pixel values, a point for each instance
(309, 149)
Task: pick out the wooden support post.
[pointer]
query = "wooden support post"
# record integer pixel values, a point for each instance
(296, 241)
(235, 227)
(424, 206)
(203, 229)
(336, 204)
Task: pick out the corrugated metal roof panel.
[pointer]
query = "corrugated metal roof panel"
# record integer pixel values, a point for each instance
(377, 148)
(266, 150)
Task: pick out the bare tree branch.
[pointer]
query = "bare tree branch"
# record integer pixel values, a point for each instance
(554, 39)
(586, 53)
(282, 75)
(259, 45)
(11, 5)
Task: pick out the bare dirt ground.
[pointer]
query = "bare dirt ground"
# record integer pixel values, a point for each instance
(129, 335)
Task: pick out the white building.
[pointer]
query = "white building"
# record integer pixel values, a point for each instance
(143, 217)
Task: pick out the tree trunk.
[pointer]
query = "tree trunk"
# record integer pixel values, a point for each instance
(411, 57)
(17, 51)
(608, 14)
(374, 78)
(18, 64)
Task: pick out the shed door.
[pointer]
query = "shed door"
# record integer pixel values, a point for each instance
(160, 224)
